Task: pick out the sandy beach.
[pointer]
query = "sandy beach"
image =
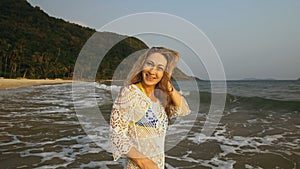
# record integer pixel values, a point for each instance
(15, 83)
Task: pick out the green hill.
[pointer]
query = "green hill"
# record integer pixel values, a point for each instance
(35, 45)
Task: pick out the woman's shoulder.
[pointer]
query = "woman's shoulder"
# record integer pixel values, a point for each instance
(126, 95)
(133, 91)
(129, 88)
(128, 91)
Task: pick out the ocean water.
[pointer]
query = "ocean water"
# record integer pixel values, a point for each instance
(51, 126)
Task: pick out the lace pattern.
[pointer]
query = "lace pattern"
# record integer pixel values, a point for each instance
(139, 122)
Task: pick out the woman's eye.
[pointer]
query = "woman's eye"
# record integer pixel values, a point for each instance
(161, 68)
(149, 64)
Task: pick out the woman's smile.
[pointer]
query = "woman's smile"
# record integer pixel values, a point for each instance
(150, 77)
(153, 69)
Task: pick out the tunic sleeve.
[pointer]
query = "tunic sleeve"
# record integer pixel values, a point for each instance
(120, 142)
(181, 110)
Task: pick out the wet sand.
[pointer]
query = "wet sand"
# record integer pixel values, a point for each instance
(15, 83)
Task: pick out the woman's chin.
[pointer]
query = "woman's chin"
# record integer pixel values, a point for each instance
(150, 82)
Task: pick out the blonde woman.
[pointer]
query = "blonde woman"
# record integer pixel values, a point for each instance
(143, 108)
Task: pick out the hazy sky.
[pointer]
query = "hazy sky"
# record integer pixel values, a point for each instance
(254, 38)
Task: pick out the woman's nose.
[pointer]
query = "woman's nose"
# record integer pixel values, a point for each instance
(152, 70)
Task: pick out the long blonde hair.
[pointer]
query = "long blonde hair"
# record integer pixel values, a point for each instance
(135, 75)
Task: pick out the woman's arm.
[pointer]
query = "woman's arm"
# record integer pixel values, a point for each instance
(141, 160)
(178, 100)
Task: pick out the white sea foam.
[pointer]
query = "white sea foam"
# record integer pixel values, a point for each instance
(112, 88)
(248, 166)
(238, 145)
(27, 108)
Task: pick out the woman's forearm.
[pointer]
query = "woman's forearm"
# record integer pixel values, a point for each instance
(140, 159)
(177, 99)
(135, 154)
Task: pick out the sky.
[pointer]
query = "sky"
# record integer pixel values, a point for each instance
(253, 38)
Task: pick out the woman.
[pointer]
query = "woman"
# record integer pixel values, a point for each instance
(143, 108)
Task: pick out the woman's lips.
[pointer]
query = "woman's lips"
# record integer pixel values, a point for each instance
(149, 77)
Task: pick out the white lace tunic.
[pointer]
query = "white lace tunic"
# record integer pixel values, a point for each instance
(139, 122)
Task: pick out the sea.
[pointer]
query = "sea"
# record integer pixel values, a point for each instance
(66, 126)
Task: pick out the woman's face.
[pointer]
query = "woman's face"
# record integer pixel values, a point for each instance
(153, 69)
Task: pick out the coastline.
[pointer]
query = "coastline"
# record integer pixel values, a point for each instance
(20, 82)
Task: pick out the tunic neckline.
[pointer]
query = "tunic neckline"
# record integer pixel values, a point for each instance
(139, 90)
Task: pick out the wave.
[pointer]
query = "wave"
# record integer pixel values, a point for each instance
(266, 104)
(232, 101)
(252, 103)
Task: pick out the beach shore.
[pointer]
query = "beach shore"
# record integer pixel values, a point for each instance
(15, 83)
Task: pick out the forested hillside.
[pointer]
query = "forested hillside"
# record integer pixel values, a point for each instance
(35, 45)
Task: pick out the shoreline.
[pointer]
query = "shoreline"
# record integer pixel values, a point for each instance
(20, 82)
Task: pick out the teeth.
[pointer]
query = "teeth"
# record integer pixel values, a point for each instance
(149, 76)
